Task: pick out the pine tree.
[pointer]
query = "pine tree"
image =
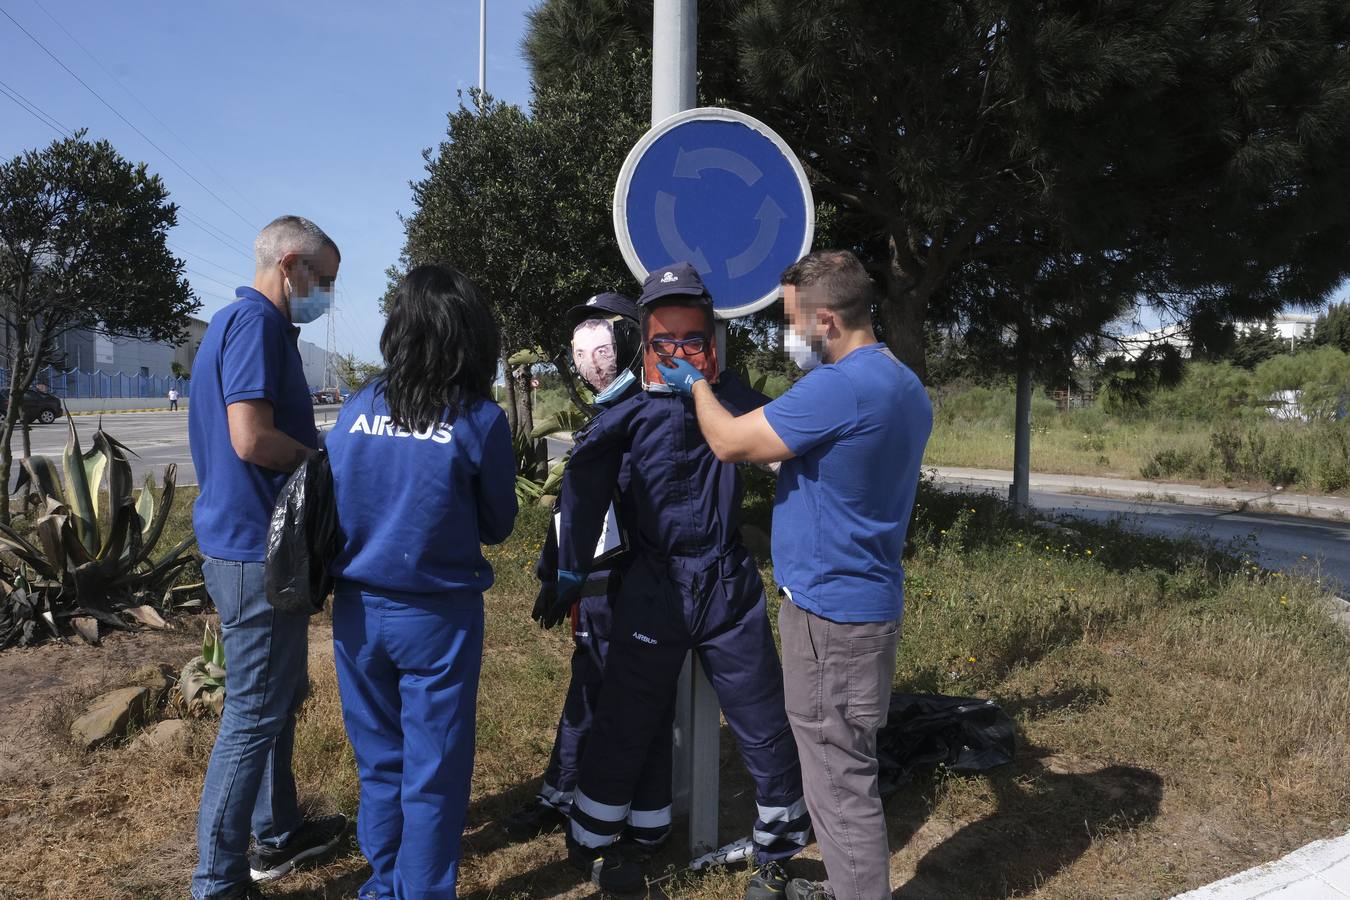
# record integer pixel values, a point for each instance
(1034, 169)
(1333, 327)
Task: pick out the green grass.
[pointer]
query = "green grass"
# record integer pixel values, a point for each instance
(1182, 716)
(974, 428)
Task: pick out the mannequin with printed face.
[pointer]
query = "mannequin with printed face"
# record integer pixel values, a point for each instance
(690, 585)
(682, 329)
(593, 353)
(605, 353)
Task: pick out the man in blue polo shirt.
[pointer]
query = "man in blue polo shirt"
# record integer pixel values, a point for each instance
(250, 424)
(850, 437)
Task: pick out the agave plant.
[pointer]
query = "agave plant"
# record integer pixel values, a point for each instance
(77, 571)
(201, 686)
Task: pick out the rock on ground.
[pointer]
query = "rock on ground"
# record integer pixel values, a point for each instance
(112, 715)
(161, 736)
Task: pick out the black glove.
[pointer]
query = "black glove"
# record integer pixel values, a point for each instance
(550, 610)
(548, 595)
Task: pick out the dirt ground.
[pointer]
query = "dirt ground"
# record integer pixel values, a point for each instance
(40, 686)
(117, 825)
(1174, 726)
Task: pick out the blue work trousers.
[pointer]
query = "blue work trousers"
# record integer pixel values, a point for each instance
(249, 785)
(408, 672)
(667, 608)
(649, 818)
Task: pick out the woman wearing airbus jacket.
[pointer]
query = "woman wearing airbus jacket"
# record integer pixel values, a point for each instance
(423, 474)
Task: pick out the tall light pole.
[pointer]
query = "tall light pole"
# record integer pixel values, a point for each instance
(674, 57)
(482, 46)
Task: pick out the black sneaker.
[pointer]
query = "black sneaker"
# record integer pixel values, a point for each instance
(608, 867)
(242, 892)
(533, 819)
(768, 883)
(801, 889)
(312, 839)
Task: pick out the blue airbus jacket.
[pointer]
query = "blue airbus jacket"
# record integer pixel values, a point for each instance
(686, 503)
(414, 508)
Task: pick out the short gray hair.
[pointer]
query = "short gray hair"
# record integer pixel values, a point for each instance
(290, 234)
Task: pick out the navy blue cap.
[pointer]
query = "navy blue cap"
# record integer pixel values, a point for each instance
(602, 306)
(678, 279)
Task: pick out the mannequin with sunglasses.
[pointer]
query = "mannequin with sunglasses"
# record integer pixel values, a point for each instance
(606, 354)
(691, 585)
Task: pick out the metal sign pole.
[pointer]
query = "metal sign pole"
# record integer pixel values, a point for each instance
(697, 717)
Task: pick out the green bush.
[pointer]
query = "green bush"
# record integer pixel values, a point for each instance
(1321, 378)
(992, 405)
(1169, 463)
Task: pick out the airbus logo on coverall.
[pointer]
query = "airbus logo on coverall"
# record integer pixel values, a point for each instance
(382, 426)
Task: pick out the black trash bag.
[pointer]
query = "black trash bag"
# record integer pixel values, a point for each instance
(923, 731)
(302, 540)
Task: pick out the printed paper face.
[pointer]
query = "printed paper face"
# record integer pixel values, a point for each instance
(679, 331)
(594, 353)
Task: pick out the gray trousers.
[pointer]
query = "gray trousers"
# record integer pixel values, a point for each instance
(837, 687)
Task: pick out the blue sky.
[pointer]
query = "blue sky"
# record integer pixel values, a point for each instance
(320, 109)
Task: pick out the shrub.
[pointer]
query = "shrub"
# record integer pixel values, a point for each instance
(79, 572)
(1320, 378)
(1169, 463)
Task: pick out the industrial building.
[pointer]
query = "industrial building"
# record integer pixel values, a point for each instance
(91, 364)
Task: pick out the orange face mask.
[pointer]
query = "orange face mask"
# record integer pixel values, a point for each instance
(678, 331)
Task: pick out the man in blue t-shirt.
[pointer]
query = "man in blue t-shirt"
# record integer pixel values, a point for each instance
(850, 437)
(250, 424)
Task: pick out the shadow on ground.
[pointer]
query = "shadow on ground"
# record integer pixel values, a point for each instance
(1048, 815)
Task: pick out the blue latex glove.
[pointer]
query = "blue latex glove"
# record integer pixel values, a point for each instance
(681, 375)
(569, 586)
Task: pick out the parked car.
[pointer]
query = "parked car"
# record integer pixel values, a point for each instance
(38, 406)
(325, 397)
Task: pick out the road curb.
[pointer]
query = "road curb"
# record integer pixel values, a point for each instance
(106, 412)
(1319, 870)
(1306, 505)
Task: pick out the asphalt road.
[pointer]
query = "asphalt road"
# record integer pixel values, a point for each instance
(1291, 543)
(157, 438)
(1317, 547)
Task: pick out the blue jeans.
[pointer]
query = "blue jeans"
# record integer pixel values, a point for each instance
(249, 784)
(408, 672)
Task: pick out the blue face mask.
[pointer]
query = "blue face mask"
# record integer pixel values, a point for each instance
(616, 388)
(308, 308)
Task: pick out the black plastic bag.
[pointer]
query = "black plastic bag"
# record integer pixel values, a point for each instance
(302, 540)
(923, 731)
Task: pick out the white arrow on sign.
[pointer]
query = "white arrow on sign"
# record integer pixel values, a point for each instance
(690, 163)
(770, 217)
(671, 239)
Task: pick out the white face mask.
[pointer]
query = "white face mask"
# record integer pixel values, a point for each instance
(309, 307)
(800, 350)
(616, 388)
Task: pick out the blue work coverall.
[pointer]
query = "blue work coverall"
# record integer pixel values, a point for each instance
(413, 510)
(650, 815)
(691, 586)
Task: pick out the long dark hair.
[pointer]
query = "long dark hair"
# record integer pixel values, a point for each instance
(440, 348)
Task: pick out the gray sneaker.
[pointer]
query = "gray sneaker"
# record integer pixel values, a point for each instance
(768, 882)
(313, 839)
(801, 889)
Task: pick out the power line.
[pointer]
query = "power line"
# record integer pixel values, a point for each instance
(50, 121)
(207, 260)
(33, 109)
(227, 287)
(214, 233)
(125, 120)
(149, 111)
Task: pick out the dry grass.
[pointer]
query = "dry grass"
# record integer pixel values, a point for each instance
(1182, 715)
(1063, 445)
